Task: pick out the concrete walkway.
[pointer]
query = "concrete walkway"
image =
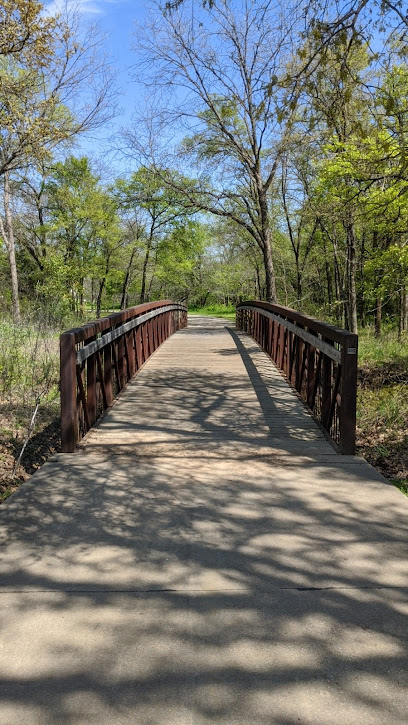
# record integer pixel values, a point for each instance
(206, 557)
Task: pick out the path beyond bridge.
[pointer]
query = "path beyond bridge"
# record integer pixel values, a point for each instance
(206, 556)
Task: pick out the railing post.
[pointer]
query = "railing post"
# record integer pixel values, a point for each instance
(348, 405)
(311, 359)
(107, 371)
(299, 362)
(270, 337)
(91, 386)
(138, 338)
(120, 348)
(69, 417)
(326, 377)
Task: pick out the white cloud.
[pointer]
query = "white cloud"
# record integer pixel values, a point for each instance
(87, 7)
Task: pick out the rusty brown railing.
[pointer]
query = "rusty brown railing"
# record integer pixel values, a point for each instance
(98, 360)
(319, 360)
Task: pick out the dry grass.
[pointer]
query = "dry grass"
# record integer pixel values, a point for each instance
(28, 374)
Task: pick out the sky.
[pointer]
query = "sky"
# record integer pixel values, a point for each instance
(117, 20)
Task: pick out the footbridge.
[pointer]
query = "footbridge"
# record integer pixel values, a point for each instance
(207, 548)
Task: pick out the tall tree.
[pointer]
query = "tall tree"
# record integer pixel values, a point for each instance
(83, 229)
(227, 62)
(161, 207)
(44, 64)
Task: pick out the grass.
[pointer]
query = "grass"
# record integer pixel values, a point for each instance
(226, 312)
(401, 484)
(383, 350)
(382, 404)
(29, 373)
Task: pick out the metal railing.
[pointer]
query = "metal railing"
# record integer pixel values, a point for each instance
(98, 360)
(319, 360)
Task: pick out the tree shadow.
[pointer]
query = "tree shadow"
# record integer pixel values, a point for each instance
(186, 579)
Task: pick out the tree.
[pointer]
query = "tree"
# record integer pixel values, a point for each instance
(341, 110)
(83, 231)
(178, 255)
(44, 65)
(161, 207)
(227, 63)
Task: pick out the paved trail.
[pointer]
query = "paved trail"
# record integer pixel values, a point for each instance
(205, 557)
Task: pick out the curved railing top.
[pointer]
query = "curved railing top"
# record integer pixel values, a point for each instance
(98, 360)
(337, 334)
(318, 359)
(117, 318)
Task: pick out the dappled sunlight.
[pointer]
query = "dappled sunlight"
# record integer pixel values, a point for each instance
(197, 574)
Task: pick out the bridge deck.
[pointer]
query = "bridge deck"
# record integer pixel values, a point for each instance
(205, 557)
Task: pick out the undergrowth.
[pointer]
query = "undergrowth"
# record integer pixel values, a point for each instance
(382, 404)
(29, 399)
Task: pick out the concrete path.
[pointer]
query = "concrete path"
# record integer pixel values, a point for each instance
(206, 557)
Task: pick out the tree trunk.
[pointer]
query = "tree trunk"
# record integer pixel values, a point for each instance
(329, 284)
(149, 291)
(257, 283)
(270, 283)
(338, 287)
(351, 277)
(265, 241)
(403, 312)
(144, 270)
(298, 280)
(378, 314)
(99, 297)
(8, 235)
(125, 286)
(81, 298)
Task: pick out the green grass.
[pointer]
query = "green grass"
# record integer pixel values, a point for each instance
(384, 350)
(226, 312)
(382, 404)
(401, 484)
(29, 365)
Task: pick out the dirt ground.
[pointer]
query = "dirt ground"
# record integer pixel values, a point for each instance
(46, 440)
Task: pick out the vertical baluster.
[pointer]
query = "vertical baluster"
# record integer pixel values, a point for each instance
(348, 394)
(120, 348)
(311, 358)
(68, 384)
(107, 372)
(91, 383)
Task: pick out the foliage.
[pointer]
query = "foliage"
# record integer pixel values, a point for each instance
(382, 408)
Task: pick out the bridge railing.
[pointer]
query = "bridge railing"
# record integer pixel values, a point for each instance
(98, 359)
(318, 359)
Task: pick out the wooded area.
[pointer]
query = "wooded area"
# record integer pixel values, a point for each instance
(270, 161)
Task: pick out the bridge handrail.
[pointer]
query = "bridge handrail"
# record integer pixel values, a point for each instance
(98, 359)
(318, 359)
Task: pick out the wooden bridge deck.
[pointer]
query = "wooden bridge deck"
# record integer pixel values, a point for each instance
(205, 557)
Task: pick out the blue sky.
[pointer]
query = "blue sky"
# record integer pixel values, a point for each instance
(117, 20)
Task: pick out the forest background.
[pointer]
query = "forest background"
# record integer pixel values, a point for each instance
(266, 157)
